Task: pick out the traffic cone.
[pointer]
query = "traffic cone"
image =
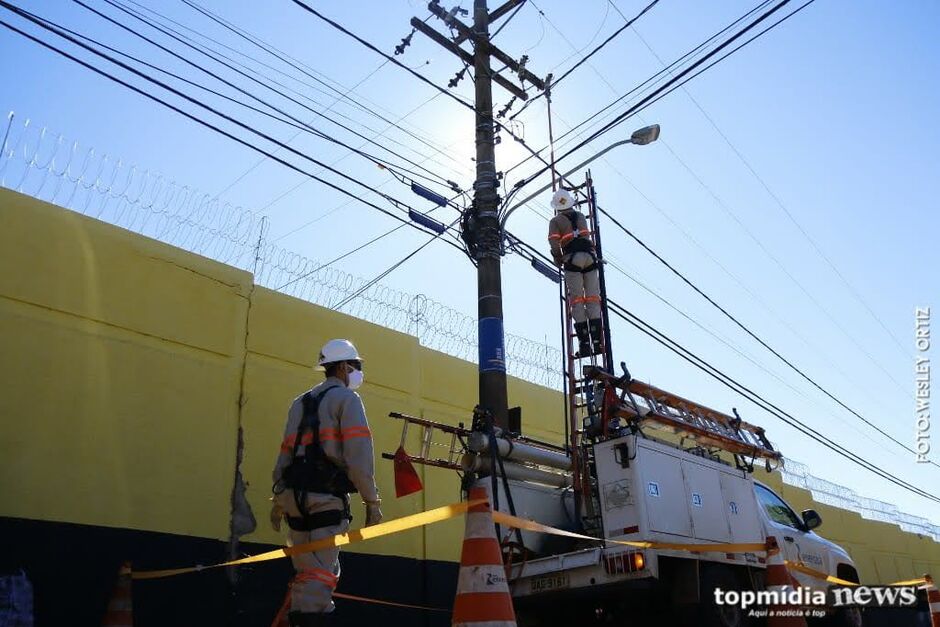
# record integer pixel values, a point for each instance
(120, 612)
(482, 593)
(780, 580)
(933, 601)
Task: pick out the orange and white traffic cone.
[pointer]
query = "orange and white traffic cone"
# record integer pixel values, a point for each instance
(933, 601)
(120, 612)
(779, 579)
(482, 593)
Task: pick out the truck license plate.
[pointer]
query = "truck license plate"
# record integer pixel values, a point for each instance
(550, 582)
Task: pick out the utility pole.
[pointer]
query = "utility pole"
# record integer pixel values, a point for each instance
(481, 227)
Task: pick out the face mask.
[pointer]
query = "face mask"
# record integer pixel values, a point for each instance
(355, 379)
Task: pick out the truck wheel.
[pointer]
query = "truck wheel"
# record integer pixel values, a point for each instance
(713, 615)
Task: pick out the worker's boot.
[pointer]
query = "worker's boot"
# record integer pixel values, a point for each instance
(584, 341)
(597, 335)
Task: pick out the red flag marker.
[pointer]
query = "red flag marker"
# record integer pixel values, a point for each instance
(407, 480)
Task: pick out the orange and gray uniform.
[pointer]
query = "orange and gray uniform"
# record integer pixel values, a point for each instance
(573, 250)
(347, 442)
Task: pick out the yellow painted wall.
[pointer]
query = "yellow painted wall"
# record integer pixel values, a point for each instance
(123, 360)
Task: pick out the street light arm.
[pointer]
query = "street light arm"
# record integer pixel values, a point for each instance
(509, 211)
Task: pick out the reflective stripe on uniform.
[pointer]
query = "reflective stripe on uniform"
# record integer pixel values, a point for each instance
(355, 432)
(325, 434)
(319, 575)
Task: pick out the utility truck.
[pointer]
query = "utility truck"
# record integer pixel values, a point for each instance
(639, 464)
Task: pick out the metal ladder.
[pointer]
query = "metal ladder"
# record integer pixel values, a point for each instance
(584, 394)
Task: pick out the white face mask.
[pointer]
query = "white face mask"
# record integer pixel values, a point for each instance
(355, 379)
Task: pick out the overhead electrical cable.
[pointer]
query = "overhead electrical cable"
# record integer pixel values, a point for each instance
(387, 271)
(365, 43)
(193, 117)
(753, 335)
(585, 58)
(764, 404)
(727, 210)
(675, 83)
(763, 183)
(341, 94)
(304, 127)
(242, 73)
(745, 391)
(665, 88)
(655, 78)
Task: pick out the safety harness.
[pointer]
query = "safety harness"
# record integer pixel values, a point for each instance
(314, 472)
(577, 244)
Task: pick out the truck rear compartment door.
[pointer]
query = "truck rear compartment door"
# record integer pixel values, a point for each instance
(664, 492)
(741, 508)
(706, 505)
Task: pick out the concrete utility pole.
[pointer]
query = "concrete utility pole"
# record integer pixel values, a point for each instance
(488, 236)
(482, 229)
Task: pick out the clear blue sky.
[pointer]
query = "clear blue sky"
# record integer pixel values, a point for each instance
(835, 110)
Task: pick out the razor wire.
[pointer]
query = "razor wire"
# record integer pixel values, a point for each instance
(47, 166)
(829, 493)
(435, 325)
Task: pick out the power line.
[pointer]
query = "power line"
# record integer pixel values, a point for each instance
(260, 161)
(753, 335)
(761, 402)
(771, 193)
(651, 80)
(342, 95)
(184, 113)
(662, 90)
(508, 19)
(586, 57)
(365, 43)
(730, 274)
(388, 270)
(743, 390)
(166, 32)
(290, 122)
(728, 210)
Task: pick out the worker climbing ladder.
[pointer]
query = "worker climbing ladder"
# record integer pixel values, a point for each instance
(601, 403)
(584, 395)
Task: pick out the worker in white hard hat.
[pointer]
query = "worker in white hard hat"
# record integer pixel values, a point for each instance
(573, 251)
(326, 454)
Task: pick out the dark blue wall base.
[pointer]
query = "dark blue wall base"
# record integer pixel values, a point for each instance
(73, 569)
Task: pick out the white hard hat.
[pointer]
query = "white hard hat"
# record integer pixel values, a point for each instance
(562, 200)
(337, 350)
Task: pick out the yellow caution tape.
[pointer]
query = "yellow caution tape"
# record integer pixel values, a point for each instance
(531, 525)
(359, 535)
(818, 574)
(352, 597)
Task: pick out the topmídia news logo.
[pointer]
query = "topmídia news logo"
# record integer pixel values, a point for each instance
(803, 599)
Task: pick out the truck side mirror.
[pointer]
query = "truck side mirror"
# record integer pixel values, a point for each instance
(811, 519)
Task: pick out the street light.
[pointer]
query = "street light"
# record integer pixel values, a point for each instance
(640, 137)
(645, 135)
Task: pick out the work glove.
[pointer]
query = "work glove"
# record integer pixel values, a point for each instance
(277, 515)
(373, 513)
